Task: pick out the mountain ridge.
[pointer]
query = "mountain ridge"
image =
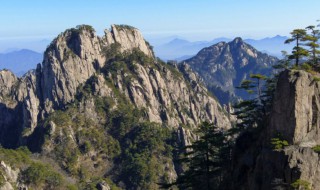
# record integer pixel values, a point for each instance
(106, 106)
(224, 66)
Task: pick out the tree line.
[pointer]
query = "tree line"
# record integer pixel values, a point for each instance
(306, 46)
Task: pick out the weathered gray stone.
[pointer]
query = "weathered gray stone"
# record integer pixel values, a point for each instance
(6, 186)
(7, 81)
(295, 118)
(296, 109)
(128, 37)
(10, 175)
(103, 186)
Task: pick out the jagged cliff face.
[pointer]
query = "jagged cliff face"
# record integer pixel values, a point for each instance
(8, 106)
(294, 118)
(168, 99)
(296, 108)
(19, 106)
(224, 65)
(88, 88)
(75, 55)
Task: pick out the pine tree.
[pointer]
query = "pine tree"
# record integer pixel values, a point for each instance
(250, 113)
(206, 159)
(284, 63)
(298, 52)
(312, 43)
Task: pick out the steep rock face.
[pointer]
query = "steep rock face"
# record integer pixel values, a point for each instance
(128, 37)
(19, 104)
(296, 109)
(68, 62)
(27, 92)
(168, 98)
(10, 109)
(224, 65)
(299, 93)
(7, 80)
(294, 118)
(75, 55)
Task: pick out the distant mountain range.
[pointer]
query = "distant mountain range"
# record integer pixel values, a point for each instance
(20, 61)
(179, 49)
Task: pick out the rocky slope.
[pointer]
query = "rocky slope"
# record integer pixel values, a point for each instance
(92, 100)
(295, 119)
(224, 65)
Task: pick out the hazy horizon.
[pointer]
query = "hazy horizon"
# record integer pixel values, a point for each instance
(39, 45)
(27, 22)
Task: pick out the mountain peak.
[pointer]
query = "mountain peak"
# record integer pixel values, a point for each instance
(225, 65)
(78, 52)
(7, 80)
(237, 40)
(128, 37)
(178, 41)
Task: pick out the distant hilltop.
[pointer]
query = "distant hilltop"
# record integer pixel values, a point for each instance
(178, 49)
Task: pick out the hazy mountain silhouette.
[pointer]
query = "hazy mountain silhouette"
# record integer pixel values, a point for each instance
(177, 48)
(19, 62)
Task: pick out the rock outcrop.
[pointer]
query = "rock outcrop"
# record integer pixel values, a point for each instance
(295, 119)
(69, 61)
(128, 37)
(7, 81)
(296, 109)
(10, 109)
(10, 177)
(19, 104)
(75, 55)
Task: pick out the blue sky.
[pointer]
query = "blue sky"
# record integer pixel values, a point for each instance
(23, 20)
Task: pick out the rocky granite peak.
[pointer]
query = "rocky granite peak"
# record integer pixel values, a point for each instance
(128, 37)
(75, 55)
(224, 65)
(70, 60)
(7, 81)
(237, 40)
(296, 108)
